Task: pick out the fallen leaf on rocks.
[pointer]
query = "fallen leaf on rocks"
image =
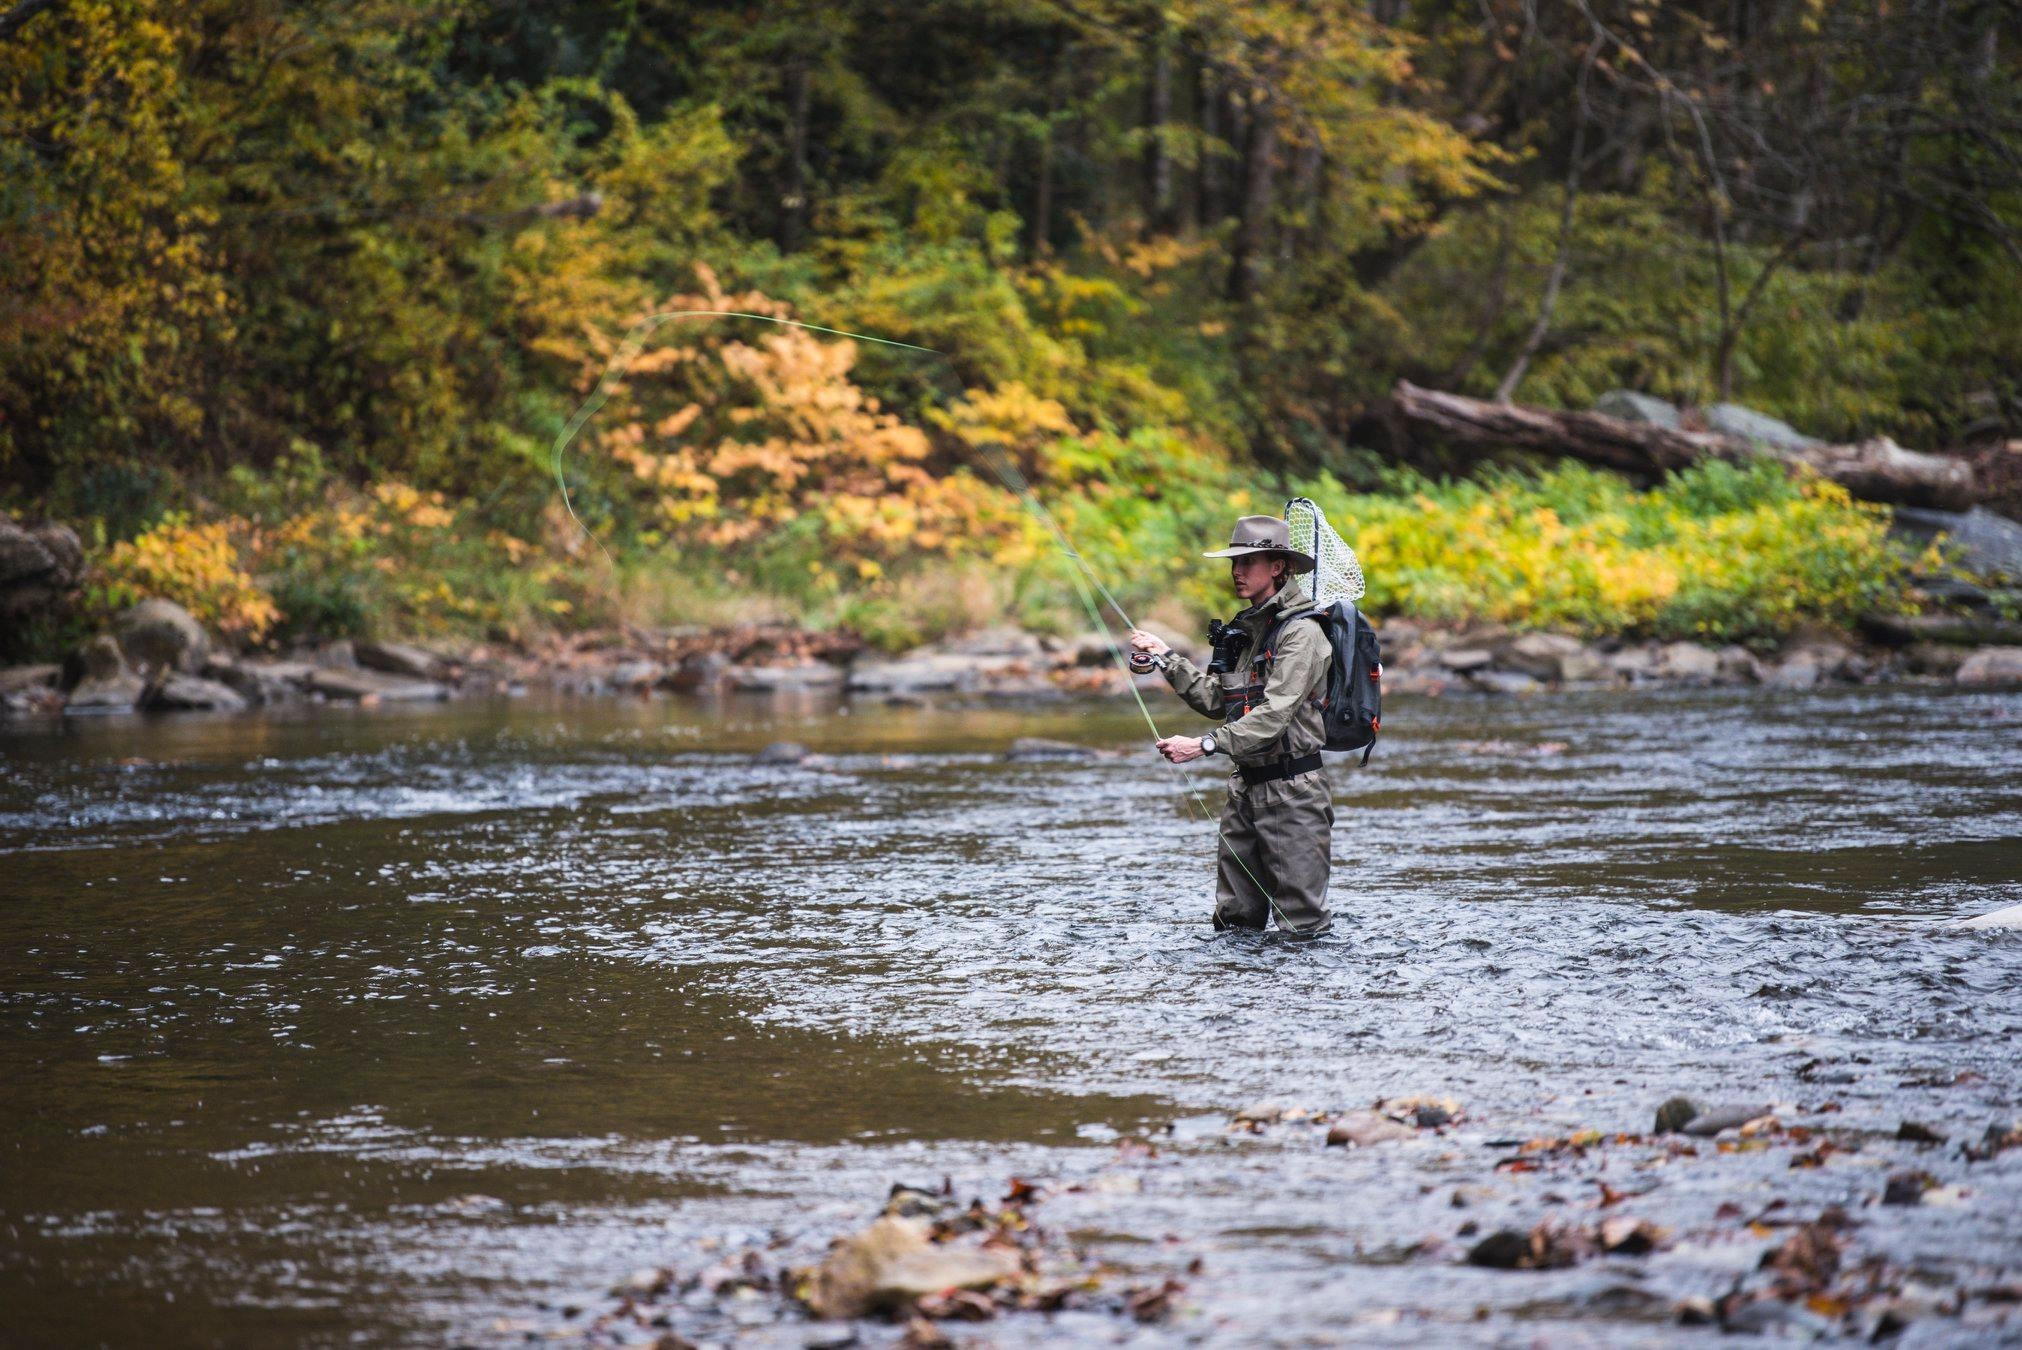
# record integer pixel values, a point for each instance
(1807, 1260)
(891, 1264)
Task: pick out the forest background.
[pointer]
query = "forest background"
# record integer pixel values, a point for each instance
(296, 298)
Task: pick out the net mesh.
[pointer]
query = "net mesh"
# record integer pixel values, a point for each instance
(1338, 575)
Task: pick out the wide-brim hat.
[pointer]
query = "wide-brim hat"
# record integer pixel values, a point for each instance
(1264, 534)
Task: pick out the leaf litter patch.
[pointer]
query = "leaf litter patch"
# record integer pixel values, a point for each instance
(927, 1264)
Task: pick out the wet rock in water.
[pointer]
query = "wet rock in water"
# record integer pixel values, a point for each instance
(697, 673)
(1991, 666)
(1261, 1113)
(782, 752)
(260, 682)
(1431, 1117)
(1629, 406)
(1675, 1114)
(808, 675)
(635, 676)
(1914, 1132)
(162, 634)
(1502, 682)
(1460, 660)
(364, 686)
(398, 658)
(892, 1263)
(191, 693)
(102, 682)
(1908, 1188)
(1548, 1246)
(1711, 1122)
(1362, 1129)
(1031, 748)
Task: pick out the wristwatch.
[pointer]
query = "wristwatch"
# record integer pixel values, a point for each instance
(1208, 744)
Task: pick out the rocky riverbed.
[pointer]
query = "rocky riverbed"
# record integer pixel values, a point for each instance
(158, 659)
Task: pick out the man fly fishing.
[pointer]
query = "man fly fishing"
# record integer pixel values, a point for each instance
(1265, 682)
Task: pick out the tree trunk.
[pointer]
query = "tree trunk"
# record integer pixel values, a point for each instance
(793, 201)
(1253, 227)
(1876, 470)
(1158, 199)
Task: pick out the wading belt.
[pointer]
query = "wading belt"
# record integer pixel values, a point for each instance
(1284, 768)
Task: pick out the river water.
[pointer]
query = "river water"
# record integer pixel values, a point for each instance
(420, 1026)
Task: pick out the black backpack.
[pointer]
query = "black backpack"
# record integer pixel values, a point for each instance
(1352, 705)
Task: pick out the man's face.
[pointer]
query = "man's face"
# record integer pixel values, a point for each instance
(1255, 575)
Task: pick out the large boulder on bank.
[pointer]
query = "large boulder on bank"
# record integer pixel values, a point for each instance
(1629, 406)
(1991, 666)
(1731, 419)
(191, 693)
(38, 564)
(808, 676)
(99, 679)
(1982, 541)
(1544, 656)
(1687, 663)
(398, 658)
(162, 635)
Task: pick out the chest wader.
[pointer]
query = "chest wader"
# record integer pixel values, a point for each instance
(1277, 827)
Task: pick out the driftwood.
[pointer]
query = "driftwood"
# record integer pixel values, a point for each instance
(1875, 470)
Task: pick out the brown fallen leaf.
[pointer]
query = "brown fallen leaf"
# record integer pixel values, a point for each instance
(924, 1335)
(1152, 1304)
(957, 1305)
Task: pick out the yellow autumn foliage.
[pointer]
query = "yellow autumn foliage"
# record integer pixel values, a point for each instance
(198, 567)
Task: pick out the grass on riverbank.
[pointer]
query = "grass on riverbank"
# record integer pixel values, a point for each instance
(1716, 552)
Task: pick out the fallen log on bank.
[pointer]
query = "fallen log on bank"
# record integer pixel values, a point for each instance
(1876, 470)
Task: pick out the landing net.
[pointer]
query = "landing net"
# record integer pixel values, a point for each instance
(1338, 575)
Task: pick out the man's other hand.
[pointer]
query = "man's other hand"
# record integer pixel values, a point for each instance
(1180, 749)
(1141, 641)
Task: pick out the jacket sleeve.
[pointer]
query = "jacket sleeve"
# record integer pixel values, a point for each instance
(1200, 691)
(1298, 671)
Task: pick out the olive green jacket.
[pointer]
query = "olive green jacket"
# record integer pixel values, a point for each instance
(1288, 723)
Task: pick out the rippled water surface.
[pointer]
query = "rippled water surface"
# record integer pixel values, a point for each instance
(428, 1025)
